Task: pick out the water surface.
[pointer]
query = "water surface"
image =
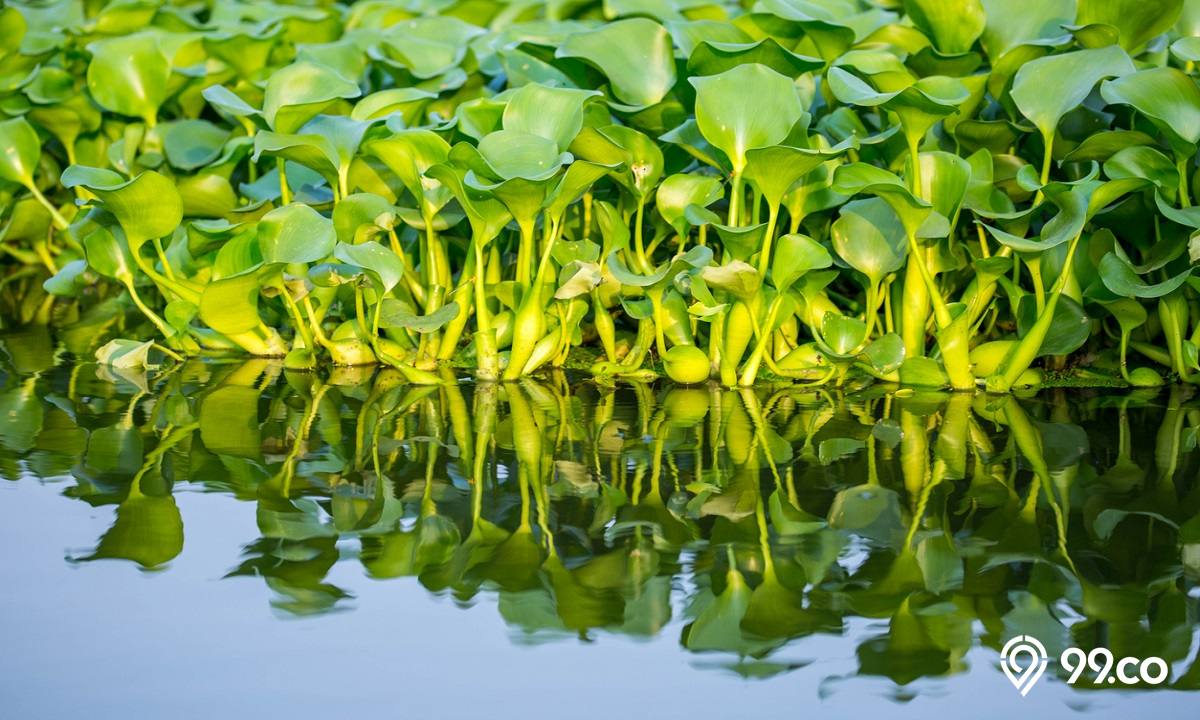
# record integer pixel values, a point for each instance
(232, 538)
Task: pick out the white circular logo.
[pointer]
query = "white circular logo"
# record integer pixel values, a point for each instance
(1023, 660)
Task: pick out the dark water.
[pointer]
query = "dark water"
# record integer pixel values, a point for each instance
(221, 539)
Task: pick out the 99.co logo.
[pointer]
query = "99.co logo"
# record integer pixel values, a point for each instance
(1023, 660)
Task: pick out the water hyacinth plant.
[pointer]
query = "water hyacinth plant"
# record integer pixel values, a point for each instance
(982, 193)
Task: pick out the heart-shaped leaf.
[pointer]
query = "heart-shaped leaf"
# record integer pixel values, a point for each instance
(747, 107)
(635, 55)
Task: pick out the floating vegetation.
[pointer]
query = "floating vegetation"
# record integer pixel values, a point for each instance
(934, 194)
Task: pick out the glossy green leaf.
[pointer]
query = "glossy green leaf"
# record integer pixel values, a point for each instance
(635, 55)
(1120, 277)
(1047, 88)
(747, 107)
(129, 75)
(297, 92)
(148, 206)
(380, 262)
(953, 25)
(21, 151)
(711, 57)
(869, 236)
(295, 234)
(555, 114)
(1137, 21)
(1169, 98)
(395, 314)
(677, 192)
(795, 255)
(230, 305)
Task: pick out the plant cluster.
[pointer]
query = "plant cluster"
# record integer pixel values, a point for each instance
(930, 192)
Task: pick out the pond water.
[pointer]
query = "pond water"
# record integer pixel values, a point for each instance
(231, 538)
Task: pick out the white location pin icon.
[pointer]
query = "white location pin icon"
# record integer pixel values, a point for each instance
(1023, 660)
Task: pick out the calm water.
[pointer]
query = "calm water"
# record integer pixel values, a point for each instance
(230, 538)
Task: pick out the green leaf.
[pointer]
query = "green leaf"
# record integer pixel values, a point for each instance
(775, 170)
(795, 255)
(944, 181)
(735, 277)
(1129, 313)
(923, 372)
(635, 55)
(696, 257)
(577, 278)
(1169, 98)
(555, 114)
(410, 154)
(487, 215)
(69, 280)
(381, 263)
(641, 158)
(1048, 88)
(1137, 21)
(869, 236)
(916, 215)
(1013, 22)
(225, 100)
(842, 336)
(1147, 163)
(747, 107)
(409, 103)
(512, 154)
(21, 150)
(295, 234)
(397, 314)
(885, 354)
(429, 46)
(918, 105)
(361, 216)
(147, 206)
(1069, 329)
(578, 179)
(190, 144)
(711, 57)
(952, 25)
(298, 92)
(129, 75)
(107, 256)
(676, 192)
(1119, 276)
(230, 305)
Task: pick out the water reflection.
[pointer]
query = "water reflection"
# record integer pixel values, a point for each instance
(752, 518)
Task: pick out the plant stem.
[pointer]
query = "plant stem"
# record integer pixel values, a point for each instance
(735, 199)
(294, 311)
(764, 256)
(639, 246)
(914, 153)
(1047, 160)
(1185, 196)
(285, 192)
(59, 221)
(1022, 355)
(1039, 288)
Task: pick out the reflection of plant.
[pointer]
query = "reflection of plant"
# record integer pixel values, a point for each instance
(822, 191)
(788, 512)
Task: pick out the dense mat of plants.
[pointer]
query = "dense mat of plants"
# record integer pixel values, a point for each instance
(931, 192)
